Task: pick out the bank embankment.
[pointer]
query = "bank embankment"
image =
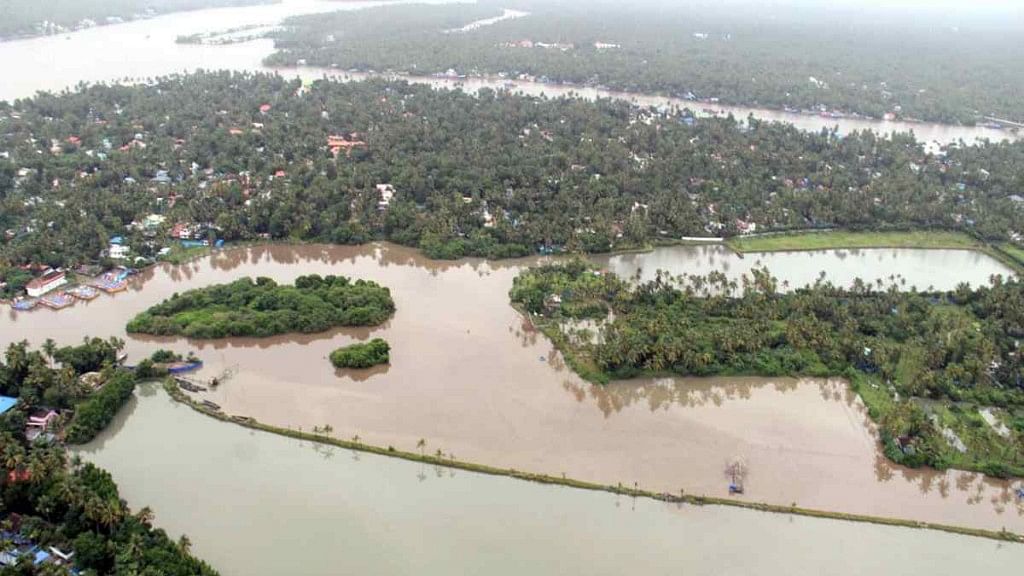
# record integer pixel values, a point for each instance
(634, 492)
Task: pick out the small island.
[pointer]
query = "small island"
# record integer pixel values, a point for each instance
(262, 308)
(939, 372)
(362, 355)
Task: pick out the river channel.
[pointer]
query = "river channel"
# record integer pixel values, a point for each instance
(470, 377)
(146, 49)
(259, 504)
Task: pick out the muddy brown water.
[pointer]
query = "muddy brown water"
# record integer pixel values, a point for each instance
(470, 377)
(258, 504)
(147, 49)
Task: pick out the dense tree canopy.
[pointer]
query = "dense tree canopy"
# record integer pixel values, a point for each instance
(490, 175)
(362, 354)
(923, 362)
(263, 308)
(55, 500)
(867, 61)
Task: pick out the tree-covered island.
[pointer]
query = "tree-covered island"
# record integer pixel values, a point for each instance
(941, 373)
(362, 354)
(261, 308)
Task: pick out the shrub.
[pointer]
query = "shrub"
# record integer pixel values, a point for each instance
(372, 353)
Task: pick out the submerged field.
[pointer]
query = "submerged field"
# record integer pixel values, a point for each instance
(837, 239)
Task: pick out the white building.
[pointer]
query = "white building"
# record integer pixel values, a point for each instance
(49, 281)
(118, 251)
(387, 192)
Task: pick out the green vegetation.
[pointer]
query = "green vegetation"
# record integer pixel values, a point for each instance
(924, 363)
(263, 308)
(94, 413)
(838, 239)
(1014, 252)
(13, 281)
(922, 63)
(92, 355)
(494, 175)
(179, 255)
(362, 354)
(31, 18)
(59, 501)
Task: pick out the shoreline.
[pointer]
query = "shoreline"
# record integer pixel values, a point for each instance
(701, 108)
(988, 249)
(177, 395)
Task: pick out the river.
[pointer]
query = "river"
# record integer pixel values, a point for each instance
(470, 377)
(146, 49)
(258, 504)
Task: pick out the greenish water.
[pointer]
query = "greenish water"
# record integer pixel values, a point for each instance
(254, 503)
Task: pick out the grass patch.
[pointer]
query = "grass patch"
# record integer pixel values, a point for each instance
(180, 255)
(838, 239)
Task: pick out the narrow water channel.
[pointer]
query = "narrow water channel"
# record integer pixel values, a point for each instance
(254, 503)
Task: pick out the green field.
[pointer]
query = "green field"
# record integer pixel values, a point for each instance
(841, 239)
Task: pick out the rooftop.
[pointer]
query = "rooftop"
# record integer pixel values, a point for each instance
(6, 403)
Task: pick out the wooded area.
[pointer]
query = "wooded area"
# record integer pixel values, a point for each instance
(924, 362)
(249, 157)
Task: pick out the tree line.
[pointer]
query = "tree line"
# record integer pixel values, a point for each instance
(924, 362)
(865, 62)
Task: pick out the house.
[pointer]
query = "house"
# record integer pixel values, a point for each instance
(162, 177)
(118, 249)
(387, 192)
(745, 227)
(339, 143)
(50, 280)
(265, 108)
(43, 420)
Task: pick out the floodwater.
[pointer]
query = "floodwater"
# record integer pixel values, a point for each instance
(259, 504)
(471, 377)
(908, 267)
(146, 49)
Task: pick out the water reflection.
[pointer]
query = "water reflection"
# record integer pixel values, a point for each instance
(475, 379)
(360, 514)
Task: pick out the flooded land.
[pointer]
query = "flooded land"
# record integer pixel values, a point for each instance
(148, 49)
(471, 377)
(259, 504)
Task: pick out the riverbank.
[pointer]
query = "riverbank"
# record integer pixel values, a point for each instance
(807, 241)
(636, 492)
(927, 413)
(471, 377)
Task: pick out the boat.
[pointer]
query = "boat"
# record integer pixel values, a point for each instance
(24, 304)
(181, 367)
(111, 283)
(57, 300)
(211, 405)
(84, 292)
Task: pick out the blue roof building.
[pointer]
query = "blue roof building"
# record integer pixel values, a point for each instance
(6, 403)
